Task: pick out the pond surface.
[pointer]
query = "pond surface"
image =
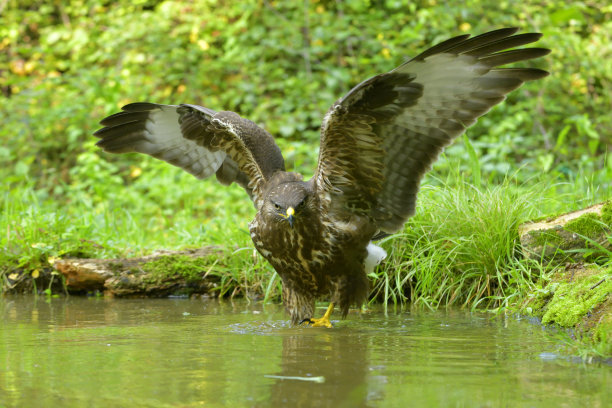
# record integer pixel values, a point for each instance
(87, 352)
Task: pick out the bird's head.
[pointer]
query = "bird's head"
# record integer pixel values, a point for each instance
(288, 202)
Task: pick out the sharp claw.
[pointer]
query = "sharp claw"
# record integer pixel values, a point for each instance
(322, 321)
(307, 320)
(317, 323)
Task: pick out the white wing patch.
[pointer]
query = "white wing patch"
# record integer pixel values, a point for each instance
(163, 139)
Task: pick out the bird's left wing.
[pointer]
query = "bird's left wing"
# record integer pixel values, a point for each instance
(196, 139)
(378, 141)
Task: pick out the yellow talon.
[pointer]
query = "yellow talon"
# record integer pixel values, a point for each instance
(322, 321)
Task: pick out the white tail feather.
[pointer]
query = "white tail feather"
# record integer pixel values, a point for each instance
(375, 256)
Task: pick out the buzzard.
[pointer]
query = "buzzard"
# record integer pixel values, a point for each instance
(377, 142)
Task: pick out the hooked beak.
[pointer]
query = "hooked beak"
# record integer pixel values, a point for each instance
(289, 216)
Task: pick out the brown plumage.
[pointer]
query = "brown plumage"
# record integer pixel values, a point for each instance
(376, 143)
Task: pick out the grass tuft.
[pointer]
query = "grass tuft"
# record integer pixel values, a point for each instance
(461, 248)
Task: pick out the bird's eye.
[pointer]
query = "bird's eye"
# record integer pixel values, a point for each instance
(276, 206)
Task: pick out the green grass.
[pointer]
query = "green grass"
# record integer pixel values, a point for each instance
(460, 248)
(105, 217)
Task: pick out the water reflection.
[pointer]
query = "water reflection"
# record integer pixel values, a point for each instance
(104, 352)
(340, 359)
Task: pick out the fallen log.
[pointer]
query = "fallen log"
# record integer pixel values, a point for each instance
(163, 273)
(583, 235)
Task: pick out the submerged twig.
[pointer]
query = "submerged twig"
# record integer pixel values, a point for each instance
(319, 379)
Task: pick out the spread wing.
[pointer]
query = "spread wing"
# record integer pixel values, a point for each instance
(198, 140)
(378, 141)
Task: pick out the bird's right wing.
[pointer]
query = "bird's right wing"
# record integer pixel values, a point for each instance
(198, 140)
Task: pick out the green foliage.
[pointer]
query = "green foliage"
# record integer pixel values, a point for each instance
(281, 63)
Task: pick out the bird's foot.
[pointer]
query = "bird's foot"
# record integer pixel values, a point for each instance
(321, 321)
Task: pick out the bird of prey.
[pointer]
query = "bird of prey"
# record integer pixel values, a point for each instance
(377, 142)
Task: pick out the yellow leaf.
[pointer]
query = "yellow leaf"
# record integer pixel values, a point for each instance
(51, 260)
(193, 35)
(13, 276)
(17, 67)
(29, 66)
(4, 43)
(35, 273)
(465, 26)
(123, 102)
(136, 171)
(203, 44)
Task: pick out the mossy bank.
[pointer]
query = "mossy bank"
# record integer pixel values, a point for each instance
(577, 297)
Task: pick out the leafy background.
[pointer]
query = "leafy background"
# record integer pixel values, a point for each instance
(66, 65)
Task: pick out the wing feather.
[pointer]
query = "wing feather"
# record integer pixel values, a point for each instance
(196, 139)
(378, 141)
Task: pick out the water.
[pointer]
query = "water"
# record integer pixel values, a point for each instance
(85, 352)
